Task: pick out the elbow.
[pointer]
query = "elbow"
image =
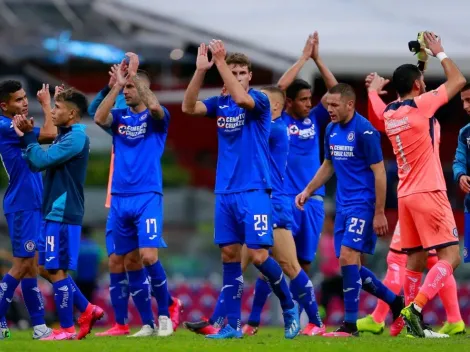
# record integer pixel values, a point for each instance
(187, 109)
(243, 100)
(461, 81)
(282, 86)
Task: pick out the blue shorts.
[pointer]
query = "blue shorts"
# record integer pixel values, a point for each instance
(138, 222)
(466, 239)
(282, 213)
(62, 245)
(244, 217)
(308, 225)
(109, 233)
(354, 229)
(24, 228)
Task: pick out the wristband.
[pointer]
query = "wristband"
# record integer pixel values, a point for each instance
(441, 56)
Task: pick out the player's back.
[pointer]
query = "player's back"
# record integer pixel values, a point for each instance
(279, 149)
(411, 127)
(138, 144)
(304, 149)
(24, 191)
(243, 143)
(352, 148)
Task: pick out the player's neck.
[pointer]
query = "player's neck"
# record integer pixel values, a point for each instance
(291, 113)
(349, 118)
(275, 117)
(408, 96)
(138, 109)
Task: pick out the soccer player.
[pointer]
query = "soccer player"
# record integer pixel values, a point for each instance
(65, 163)
(22, 202)
(425, 215)
(139, 134)
(283, 251)
(461, 168)
(396, 258)
(243, 213)
(352, 150)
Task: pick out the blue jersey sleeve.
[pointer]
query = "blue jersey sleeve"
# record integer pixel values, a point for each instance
(56, 154)
(459, 166)
(161, 125)
(117, 115)
(119, 104)
(37, 131)
(261, 102)
(322, 116)
(327, 141)
(370, 146)
(211, 106)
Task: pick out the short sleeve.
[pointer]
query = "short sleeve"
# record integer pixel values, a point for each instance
(429, 102)
(262, 105)
(211, 106)
(371, 147)
(327, 142)
(161, 125)
(117, 114)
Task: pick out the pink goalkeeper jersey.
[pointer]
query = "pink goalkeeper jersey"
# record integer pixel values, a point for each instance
(410, 125)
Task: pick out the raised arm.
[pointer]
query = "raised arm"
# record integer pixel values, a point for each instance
(234, 88)
(328, 77)
(191, 105)
(143, 88)
(375, 87)
(455, 79)
(48, 131)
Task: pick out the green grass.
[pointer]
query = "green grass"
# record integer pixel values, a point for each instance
(267, 340)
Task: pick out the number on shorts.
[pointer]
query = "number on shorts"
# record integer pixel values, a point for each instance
(50, 242)
(151, 222)
(356, 229)
(261, 222)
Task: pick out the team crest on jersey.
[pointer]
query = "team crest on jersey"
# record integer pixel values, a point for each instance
(293, 129)
(143, 117)
(30, 246)
(350, 136)
(307, 121)
(221, 122)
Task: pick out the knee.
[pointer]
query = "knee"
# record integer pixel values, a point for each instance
(417, 261)
(258, 256)
(116, 264)
(149, 256)
(132, 261)
(231, 254)
(349, 256)
(44, 273)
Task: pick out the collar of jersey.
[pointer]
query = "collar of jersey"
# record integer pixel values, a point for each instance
(74, 127)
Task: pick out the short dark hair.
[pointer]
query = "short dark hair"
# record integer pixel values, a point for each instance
(343, 89)
(238, 59)
(465, 87)
(275, 90)
(295, 87)
(75, 97)
(404, 78)
(9, 87)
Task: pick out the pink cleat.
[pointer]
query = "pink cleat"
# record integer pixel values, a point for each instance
(88, 318)
(60, 334)
(397, 326)
(249, 330)
(313, 330)
(116, 330)
(175, 311)
(342, 331)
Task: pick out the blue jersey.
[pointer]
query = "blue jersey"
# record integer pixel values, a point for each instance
(461, 164)
(243, 137)
(279, 149)
(24, 191)
(138, 141)
(304, 158)
(353, 148)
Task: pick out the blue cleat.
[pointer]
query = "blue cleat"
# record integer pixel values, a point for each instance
(227, 332)
(291, 322)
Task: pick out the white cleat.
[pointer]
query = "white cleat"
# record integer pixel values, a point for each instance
(41, 331)
(146, 330)
(165, 326)
(429, 334)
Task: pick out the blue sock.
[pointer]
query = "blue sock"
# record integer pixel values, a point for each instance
(152, 292)
(33, 300)
(262, 292)
(140, 293)
(303, 288)
(273, 272)
(371, 284)
(159, 287)
(351, 290)
(7, 290)
(295, 297)
(79, 299)
(233, 290)
(119, 293)
(3, 323)
(63, 298)
(218, 316)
